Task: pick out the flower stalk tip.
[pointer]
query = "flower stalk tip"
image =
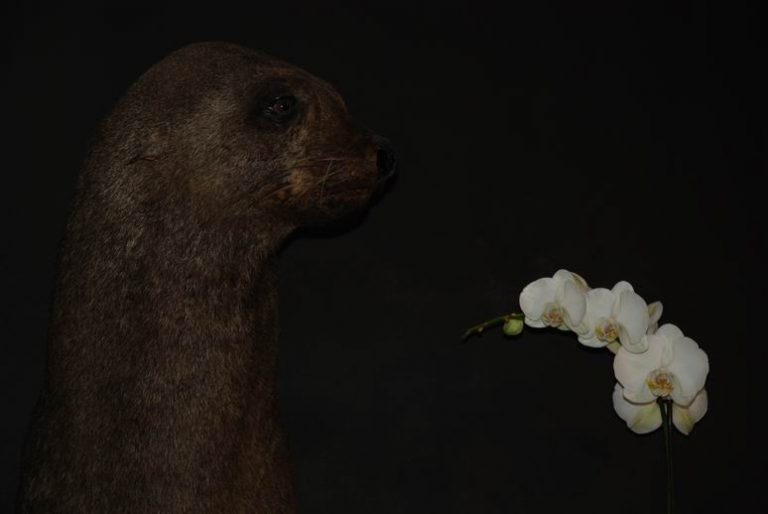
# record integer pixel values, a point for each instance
(493, 322)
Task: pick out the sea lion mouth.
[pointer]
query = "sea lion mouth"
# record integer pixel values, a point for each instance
(334, 175)
(349, 188)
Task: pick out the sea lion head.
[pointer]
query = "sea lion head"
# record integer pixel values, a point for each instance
(216, 133)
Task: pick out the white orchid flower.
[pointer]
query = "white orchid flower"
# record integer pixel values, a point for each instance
(559, 301)
(672, 367)
(643, 418)
(615, 315)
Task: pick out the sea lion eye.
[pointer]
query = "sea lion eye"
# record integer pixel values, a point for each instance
(274, 111)
(281, 108)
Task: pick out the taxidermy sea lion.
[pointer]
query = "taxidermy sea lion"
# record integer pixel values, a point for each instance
(160, 389)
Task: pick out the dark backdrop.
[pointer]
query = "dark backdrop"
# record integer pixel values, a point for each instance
(618, 141)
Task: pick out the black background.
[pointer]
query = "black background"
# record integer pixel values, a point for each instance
(618, 140)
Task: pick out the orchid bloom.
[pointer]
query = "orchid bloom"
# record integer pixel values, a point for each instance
(559, 301)
(643, 418)
(672, 367)
(614, 315)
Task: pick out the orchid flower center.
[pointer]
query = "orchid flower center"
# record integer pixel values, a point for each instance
(553, 315)
(660, 382)
(606, 330)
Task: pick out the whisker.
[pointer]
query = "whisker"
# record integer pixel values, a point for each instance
(325, 159)
(257, 191)
(325, 177)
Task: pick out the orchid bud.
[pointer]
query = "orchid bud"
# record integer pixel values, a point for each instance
(513, 327)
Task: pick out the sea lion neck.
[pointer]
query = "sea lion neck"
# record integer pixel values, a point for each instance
(169, 346)
(172, 272)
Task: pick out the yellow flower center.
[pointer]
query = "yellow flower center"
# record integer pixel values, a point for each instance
(660, 382)
(607, 331)
(553, 315)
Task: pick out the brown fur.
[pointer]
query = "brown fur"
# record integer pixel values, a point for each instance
(160, 393)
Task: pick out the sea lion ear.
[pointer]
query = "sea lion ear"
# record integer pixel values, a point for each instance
(151, 149)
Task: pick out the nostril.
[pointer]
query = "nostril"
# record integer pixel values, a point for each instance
(385, 158)
(386, 162)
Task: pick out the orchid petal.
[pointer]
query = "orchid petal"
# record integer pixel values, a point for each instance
(563, 275)
(640, 394)
(600, 302)
(632, 370)
(580, 282)
(614, 347)
(574, 303)
(536, 296)
(685, 417)
(640, 346)
(581, 329)
(640, 418)
(669, 331)
(690, 365)
(632, 317)
(654, 315)
(622, 286)
(592, 341)
(654, 312)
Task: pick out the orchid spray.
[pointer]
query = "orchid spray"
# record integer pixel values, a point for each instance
(660, 373)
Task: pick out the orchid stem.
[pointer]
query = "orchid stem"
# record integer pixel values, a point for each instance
(666, 420)
(478, 329)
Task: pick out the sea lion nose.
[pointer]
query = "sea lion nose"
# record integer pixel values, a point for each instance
(386, 160)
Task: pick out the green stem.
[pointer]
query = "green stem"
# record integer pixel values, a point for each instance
(478, 329)
(666, 419)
